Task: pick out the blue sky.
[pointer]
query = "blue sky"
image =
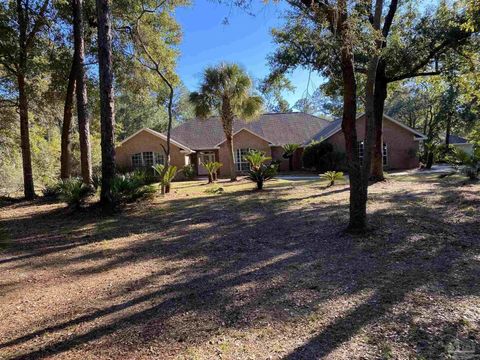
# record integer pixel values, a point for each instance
(245, 40)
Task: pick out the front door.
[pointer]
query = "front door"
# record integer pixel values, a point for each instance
(204, 157)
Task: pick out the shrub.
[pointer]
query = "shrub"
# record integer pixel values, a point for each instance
(189, 171)
(468, 164)
(259, 171)
(73, 191)
(51, 190)
(441, 152)
(288, 152)
(212, 168)
(166, 176)
(322, 156)
(332, 176)
(214, 190)
(130, 187)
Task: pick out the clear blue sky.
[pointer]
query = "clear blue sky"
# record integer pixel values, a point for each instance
(245, 40)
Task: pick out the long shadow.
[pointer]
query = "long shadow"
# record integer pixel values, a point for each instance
(276, 244)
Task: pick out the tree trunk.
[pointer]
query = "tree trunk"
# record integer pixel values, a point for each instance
(227, 123)
(380, 95)
(28, 187)
(447, 133)
(66, 146)
(358, 199)
(233, 171)
(107, 112)
(260, 185)
(82, 99)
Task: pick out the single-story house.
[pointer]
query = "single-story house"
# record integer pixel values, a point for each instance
(198, 141)
(460, 143)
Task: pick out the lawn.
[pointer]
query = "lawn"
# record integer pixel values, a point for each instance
(239, 274)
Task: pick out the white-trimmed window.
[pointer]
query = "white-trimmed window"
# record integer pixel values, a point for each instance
(159, 158)
(137, 161)
(361, 150)
(385, 154)
(147, 159)
(240, 162)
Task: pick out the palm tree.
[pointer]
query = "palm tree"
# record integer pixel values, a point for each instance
(227, 90)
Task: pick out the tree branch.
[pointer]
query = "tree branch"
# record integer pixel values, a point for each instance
(389, 18)
(37, 25)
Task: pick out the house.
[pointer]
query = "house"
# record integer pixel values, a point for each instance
(460, 143)
(198, 141)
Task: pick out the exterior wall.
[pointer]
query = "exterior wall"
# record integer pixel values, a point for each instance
(468, 148)
(194, 158)
(242, 140)
(142, 142)
(277, 154)
(402, 148)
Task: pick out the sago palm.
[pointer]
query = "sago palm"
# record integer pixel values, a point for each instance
(288, 152)
(212, 168)
(226, 90)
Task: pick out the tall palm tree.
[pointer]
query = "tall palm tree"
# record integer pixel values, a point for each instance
(226, 90)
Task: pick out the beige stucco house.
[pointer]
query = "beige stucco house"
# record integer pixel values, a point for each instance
(198, 141)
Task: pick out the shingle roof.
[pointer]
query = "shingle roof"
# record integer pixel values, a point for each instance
(336, 125)
(454, 139)
(278, 128)
(327, 131)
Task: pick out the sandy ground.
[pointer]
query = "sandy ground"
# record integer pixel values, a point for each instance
(246, 275)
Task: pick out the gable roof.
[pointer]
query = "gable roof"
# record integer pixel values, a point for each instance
(336, 126)
(247, 130)
(454, 139)
(276, 128)
(159, 135)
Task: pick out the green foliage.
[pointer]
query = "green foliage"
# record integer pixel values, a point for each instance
(468, 164)
(73, 191)
(226, 90)
(212, 167)
(322, 156)
(189, 171)
(214, 190)
(51, 190)
(259, 171)
(289, 150)
(130, 187)
(272, 88)
(332, 176)
(166, 176)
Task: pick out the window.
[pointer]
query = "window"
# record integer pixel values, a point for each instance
(385, 154)
(137, 160)
(361, 150)
(159, 158)
(147, 159)
(240, 162)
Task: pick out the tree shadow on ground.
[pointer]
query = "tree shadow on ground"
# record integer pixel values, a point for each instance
(249, 257)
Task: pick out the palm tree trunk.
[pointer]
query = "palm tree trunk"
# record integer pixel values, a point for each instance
(66, 146)
(233, 170)
(82, 99)
(28, 187)
(227, 122)
(107, 102)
